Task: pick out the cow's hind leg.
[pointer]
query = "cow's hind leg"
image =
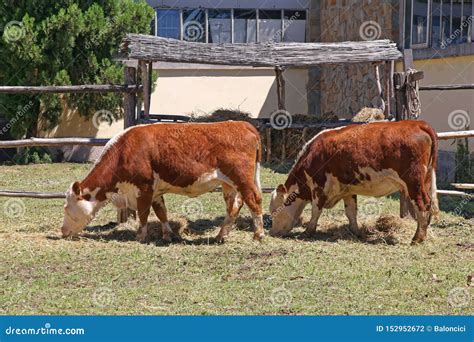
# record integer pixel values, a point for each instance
(253, 199)
(233, 202)
(350, 207)
(143, 206)
(422, 204)
(159, 208)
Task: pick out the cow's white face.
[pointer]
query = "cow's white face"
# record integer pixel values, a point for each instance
(77, 211)
(284, 217)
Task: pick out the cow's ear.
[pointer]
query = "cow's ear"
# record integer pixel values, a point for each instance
(281, 189)
(76, 188)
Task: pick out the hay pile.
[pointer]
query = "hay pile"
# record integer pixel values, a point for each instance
(368, 115)
(385, 230)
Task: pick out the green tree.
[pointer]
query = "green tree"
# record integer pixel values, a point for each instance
(63, 42)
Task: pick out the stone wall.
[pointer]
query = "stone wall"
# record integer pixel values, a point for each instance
(344, 90)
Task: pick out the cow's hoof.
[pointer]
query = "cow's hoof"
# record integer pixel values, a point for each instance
(258, 236)
(415, 242)
(308, 234)
(142, 238)
(221, 239)
(167, 239)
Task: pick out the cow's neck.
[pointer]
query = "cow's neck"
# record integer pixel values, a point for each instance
(99, 181)
(296, 183)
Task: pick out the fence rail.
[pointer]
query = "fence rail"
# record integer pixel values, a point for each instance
(52, 142)
(91, 88)
(448, 87)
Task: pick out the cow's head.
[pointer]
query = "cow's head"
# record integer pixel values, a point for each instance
(286, 209)
(78, 211)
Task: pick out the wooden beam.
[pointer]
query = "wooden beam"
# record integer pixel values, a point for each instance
(456, 135)
(29, 194)
(97, 88)
(52, 142)
(130, 100)
(268, 54)
(379, 86)
(455, 193)
(463, 186)
(448, 87)
(150, 84)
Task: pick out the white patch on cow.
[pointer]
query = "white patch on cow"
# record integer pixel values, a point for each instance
(205, 183)
(126, 197)
(93, 193)
(257, 177)
(381, 183)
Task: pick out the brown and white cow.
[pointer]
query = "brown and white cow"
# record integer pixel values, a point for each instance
(144, 162)
(374, 159)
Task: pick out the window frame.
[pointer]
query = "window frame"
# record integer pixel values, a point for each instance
(431, 18)
(257, 18)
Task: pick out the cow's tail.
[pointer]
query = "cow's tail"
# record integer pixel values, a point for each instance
(432, 171)
(257, 164)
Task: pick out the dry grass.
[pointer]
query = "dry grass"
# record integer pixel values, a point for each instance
(105, 271)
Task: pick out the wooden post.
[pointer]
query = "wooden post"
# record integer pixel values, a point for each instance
(399, 85)
(379, 86)
(280, 88)
(269, 145)
(129, 120)
(387, 90)
(281, 106)
(146, 88)
(129, 99)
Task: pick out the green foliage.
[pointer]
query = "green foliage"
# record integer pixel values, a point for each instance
(464, 162)
(64, 42)
(33, 155)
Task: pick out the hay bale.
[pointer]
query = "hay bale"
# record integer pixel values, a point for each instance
(368, 115)
(388, 224)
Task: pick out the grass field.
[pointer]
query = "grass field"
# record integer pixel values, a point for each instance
(106, 271)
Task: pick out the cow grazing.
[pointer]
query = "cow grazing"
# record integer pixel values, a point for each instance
(374, 159)
(141, 164)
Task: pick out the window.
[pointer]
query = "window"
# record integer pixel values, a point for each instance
(232, 25)
(220, 30)
(294, 26)
(168, 23)
(438, 23)
(194, 25)
(245, 26)
(420, 22)
(270, 26)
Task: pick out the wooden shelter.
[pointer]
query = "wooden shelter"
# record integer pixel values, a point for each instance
(280, 56)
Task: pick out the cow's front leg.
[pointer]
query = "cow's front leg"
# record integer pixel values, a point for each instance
(350, 206)
(233, 202)
(160, 210)
(313, 223)
(143, 206)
